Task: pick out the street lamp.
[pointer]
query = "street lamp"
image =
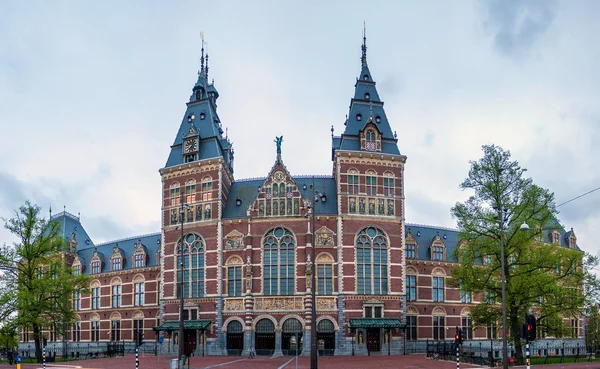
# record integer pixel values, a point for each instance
(315, 197)
(502, 219)
(181, 268)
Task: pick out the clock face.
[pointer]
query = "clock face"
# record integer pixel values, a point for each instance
(190, 146)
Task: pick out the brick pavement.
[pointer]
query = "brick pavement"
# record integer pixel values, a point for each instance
(232, 362)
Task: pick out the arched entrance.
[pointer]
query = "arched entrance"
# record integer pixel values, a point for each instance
(235, 338)
(265, 337)
(325, 337)
(291, 337)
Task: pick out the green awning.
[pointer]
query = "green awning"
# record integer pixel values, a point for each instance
(173, 325)
(376, 323)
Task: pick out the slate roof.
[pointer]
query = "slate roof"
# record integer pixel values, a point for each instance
(126, 248)
(70, 225)
(247, 191)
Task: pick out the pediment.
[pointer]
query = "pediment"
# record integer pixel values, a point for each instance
(324, 237)
(279, 196)
(234, 240)
(410, 239)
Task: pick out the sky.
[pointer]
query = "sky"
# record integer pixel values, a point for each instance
(92, 95)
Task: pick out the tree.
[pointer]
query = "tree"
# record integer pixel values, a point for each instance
(542, 278)
(37, 269)
(592, 328)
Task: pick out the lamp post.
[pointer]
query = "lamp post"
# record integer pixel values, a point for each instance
(181, 269)
(502, 219)
(316, 197)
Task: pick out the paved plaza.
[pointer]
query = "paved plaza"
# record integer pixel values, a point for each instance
(231, 362)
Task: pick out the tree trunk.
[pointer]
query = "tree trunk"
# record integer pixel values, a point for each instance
(515, 328)
(37, 336)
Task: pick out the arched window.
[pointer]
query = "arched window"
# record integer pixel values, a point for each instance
(116, 292)
(234, 327)
(279, 262)
(324, 274)
(325, 326)
(371, 261)
(193, 264)
(175, 194)
(190, 191)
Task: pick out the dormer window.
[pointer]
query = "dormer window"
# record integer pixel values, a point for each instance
(370, 140)
(367, 96)
(378, 119)
(556, 237)
(366, 77)
(139, 255)
(76, 269)
(438, 249)
(116, 264)
(116, 260)
(96, 263)
(359, 117)
(198, 94)
(202, 116)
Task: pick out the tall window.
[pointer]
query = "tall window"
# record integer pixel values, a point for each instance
(492, 331)
(95, 297)
(279, 262)
(410, 251)
(76, 300)
(411, 288)
(370, 144)
(95, 331)
(95, 266)
(411, 327)
(438, 253)
(175, 196)
(574, 328)
(115, 330)
(371, 252)
(140, 260)
(206, 189)
(190, 192)
(490, 297)
(138, 294)
(439, 328)
(325, 278)
(371, 184)
(438, 289)
(352, 183)
(77, 269)
(116, 296)
(388, 185)
(467, 327)
(465, 296)
(234, 280)
(194, 263)
(76, 335)
(116, 263)
(138, 328)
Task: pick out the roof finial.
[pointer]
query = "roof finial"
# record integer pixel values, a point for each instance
(332, 130)
(202, 57)
(50, 211)
(206, 69)
(363, 58)
(278, 142)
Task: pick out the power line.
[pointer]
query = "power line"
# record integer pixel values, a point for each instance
(575, 198)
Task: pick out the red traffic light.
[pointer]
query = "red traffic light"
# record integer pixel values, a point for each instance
(529, 327)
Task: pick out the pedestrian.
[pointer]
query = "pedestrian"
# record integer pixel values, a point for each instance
(9, 356)
(250, 353)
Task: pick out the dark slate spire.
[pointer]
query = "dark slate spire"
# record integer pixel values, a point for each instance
(366, 108)
(201, 124)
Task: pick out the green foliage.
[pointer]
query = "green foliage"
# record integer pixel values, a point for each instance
(592, 328)
(544, 278)
(39, 284)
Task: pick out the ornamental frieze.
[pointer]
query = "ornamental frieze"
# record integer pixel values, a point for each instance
(278, 303)
(234, 304)
(326, 303)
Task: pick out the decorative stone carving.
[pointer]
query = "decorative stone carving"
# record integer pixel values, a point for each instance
(278, 303)
(326, 303)
(234, 240)
(324, 237)
(248, 274)
(309, 266)
(234, 304)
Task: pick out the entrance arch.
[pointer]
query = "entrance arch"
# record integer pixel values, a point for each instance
(291, 337)
(264, 337)
(235, 338)
(326, 337)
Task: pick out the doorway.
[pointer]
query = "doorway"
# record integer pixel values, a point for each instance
(373, 339)
(235, 338)
(265, 337)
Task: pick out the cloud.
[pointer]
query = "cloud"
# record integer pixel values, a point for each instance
(516, 26)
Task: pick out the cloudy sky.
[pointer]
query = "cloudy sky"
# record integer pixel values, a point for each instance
(92, 93)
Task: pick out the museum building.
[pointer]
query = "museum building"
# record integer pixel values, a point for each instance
(240, 250)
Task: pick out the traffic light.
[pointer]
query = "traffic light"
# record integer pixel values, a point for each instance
(530, 328)
(458, 338)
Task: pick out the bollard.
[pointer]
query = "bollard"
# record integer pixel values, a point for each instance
(44, 356)
(137, 358)
(457, 357)
(527, 354)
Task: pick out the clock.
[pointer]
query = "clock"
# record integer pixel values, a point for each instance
(190, 146)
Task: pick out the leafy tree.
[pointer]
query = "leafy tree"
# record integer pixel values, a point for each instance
(8, 335)
(592, 328)
(35, 267)
(542, 278)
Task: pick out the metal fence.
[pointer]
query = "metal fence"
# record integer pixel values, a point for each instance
(489, 353)
(76, 351)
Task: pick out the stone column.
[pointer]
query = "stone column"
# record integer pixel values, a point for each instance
(248, 341)
(306, 341)
(278, 351)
